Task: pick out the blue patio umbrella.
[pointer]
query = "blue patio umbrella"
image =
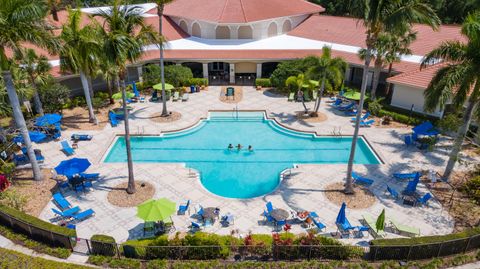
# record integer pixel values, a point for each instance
(341, 218)
(48, 119)
(34, 137)
(72, 166)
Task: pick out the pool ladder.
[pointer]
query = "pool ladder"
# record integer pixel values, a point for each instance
(337, 133)
(140, 130)
(235, 112)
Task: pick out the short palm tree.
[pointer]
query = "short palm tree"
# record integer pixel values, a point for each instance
(124, 35)
(297, 83)
(381, 16)
(80, 53)
(22, 21)
(160, 8)
(458, 81)
(327, 70)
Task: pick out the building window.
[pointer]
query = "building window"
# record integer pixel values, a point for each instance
(272, 29)
(223, 32)
(196, 30)
(245, 32)
(287, 27)
(183, 26)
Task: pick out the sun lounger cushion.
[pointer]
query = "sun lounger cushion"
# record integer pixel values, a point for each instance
(362, 180)
(291, 97)
(67, 148)
(84, 215)
(61, 202)
(404, 229)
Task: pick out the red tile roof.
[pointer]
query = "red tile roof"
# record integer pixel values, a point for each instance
(239, 11)
(417, 78)
(350, 31)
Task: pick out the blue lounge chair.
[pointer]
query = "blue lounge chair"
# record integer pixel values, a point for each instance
(337, 102)
(393, 193)
(227, 220)
(81, 137)
(195, 227)
(84, 215)
(346, 107)
(411, 187)
(314, 217)
(361, 180)
(183, 208)
(269, 207)
(406, 175)
(67, 148)
(408, 140)
(90, 176)
(363, 118)
(67, 213)
(268, 217)
(200, 212)
(351, 112)
(113, 119)
(61, 202)
(424, 200)
(367, 123)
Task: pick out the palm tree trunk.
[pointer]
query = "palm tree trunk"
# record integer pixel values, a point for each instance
(457, 145)
(162, 67)
(37, 101)
(351, 159)
(86, 91)
(20, 122)
(389, 85)
(131, 181)
(110, 91)
(319, 98)
(90, 87)
(376, 78)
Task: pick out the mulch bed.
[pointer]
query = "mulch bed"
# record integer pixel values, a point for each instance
(118, 195)
(307, 118)
(77, 118)
(362, 198)
(157, 117)
(231, 100)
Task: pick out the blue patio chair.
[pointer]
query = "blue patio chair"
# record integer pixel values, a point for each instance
(183, 208)
(269, 207)
(346, 107)
(84, 215)
(351, 113)
(81, 137)
(67, 213)
(337, 102)
(408, 139)
(200, 212)
(364, 117)
(320, 226)
(367, 123)
(113, 119)
(411, 187)
(71, 226)
(227, 220)
(268, 217)
(67, 148)
(393, 193)
(426, 128)
(60, 201)
(406, 175)
(195, 226)
(424, 200)
(361, 180)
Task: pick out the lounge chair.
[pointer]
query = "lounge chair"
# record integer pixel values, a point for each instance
(408, 139)
(182, 209)
(61, 202)
(357, 179)
(367, 123)
(291, 97)
(268, 217)
(337, 102)
(81, 137)
(372, 224)
(227, 220)
(90, 176)
(351, 113)
(407, 175)
(404, 229)
(230, 92)
(320, 226)
(67, 213)
(424, 199)
(67, 148)
(176, 96)
(393, 193)
(363, 118)
(411, 187)
(346, 107)
(185, 97)
(84, 215)
(195, 227)
(113, 119)
(269, 207)
(345, 228)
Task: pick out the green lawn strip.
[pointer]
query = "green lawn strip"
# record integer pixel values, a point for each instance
(12, 259)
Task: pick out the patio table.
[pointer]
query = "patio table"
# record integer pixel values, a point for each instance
(279, 214)
(210, 213)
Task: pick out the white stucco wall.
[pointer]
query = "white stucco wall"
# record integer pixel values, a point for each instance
(404, 97)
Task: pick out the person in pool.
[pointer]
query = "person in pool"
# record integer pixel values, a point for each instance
(239, 146)
(250, 148)
(230, 146)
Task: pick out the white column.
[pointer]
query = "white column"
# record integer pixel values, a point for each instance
(259, 70)
(140, 73)
(205, 70)
(233, 32)
(232, 73)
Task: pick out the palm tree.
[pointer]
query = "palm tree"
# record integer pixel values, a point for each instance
(80, 53)
(458, 81)
(125, 33)
(297, 83)
(37, 68)
(327, 70)
(160, 7)
(381, 16)
(22, 21)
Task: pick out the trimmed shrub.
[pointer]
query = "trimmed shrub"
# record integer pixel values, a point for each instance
(197, 82)
(110, 262)
(263, 82)
(472, 188)
(54, 96)
(103, 245)
(178, 75)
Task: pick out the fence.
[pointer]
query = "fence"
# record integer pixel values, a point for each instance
(36, 233)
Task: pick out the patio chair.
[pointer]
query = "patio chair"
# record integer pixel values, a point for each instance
(351, 113)
(60, 201)
(269, 207)
(67, 148)
(367, 123)
(337, 102)
(268, 217)
(424, 199)
(176, 96)
(182, 209)
(291, 97)
(357, 179)
(411, 187)
(81, 137)
(402, 229)
(346, 107)
(345, 228)
(372, 224)
(230, 92)
(363, 118)
(314, 216)
(195, 227)
(84, 215)
(185, 97)
(227, 220)
(67, 213)
(406, 175)
(393, 193)
(408, 139)
(113, 119)
(90, 176)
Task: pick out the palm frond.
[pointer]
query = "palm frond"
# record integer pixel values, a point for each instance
(450, 51)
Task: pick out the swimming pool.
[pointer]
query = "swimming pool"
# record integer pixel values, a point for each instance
(234, 173)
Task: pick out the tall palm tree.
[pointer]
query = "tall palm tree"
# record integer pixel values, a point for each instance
(125, 34)
(380, 16)
(327, 70)
(22, 21)
(37, 68)
(80, 53)
(457, 81)
(160, 7)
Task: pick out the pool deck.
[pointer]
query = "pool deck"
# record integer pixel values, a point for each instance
(304, 189)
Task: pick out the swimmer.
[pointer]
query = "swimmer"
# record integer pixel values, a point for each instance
(230, 146)
(239, 147)
(250, 148)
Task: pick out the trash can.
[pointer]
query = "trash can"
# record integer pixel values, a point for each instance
(192, 88)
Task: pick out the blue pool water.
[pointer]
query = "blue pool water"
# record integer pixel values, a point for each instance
(240, 174)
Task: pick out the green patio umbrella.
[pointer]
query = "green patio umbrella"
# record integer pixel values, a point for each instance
(380, 224)
(167, 86)
(156, 210)
(353, 95)
(118, 95)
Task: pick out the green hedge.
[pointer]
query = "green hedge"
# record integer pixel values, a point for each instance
(402, 115)
(103, 245)
(263, 82)
(197, 82)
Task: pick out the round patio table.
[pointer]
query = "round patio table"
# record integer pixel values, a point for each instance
(210, 213)
(279, 214)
